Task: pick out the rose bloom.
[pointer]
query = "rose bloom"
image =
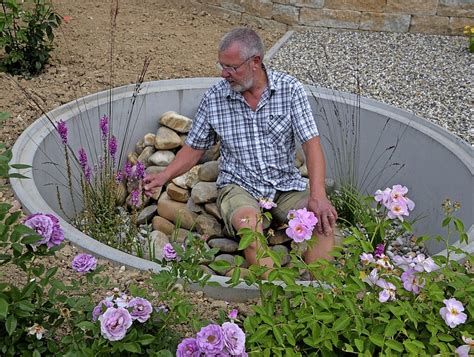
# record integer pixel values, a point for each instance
(388, 292)
(141, 309)
(37, 330)
(114, 323)
(169, 253)
(234, 338)
(233, 314)
(210, 339)
(100, 308)
(463, 351)
(298, 231)
(188, 347)
(411, 282)
(266, 203)
(453, 313)
(84, 263)
(47, 226)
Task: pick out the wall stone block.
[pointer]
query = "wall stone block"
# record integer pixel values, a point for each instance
(286, 14)
(330, 18)
(263, 23)
(356, 5)
(417, 7)
(260, 8)
(318, 4)
(374, 21)
(461, 8)
(456, 24)
(232, 5)
(429, 24)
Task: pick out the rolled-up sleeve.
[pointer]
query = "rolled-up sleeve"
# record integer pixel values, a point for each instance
(201, 136)
(304, 125)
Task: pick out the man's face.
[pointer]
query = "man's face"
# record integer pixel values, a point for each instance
(237, 70)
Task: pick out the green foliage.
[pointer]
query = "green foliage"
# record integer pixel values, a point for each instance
(26, 35)
(469, 32)
(339, 312)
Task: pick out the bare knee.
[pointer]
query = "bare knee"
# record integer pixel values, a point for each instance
(245, 217)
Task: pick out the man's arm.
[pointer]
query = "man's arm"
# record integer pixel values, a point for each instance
(185, 159)
(318, 201)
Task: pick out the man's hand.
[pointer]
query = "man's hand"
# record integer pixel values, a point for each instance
(325, 213)
(152, 181)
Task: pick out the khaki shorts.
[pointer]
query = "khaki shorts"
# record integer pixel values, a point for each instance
(231, 197)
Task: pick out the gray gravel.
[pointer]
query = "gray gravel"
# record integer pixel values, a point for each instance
(428, 75)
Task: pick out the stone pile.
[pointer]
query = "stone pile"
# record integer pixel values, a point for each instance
(188, 202)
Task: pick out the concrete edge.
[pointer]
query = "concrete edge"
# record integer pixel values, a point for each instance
(27, 193)
(276, 47)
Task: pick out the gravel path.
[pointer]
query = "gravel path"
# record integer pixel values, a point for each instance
(425, 74)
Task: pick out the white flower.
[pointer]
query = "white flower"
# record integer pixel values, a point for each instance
(37, 330)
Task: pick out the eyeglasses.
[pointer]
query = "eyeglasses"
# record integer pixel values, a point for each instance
(231, 69)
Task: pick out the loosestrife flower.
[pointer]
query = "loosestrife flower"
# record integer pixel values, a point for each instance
(47, 226)
(301, 224)
(62, 130)
(141, 309)
(118, 177)
(113, 147)
(169, 253)
(379, 250)
(37, 330)
(84, 263)
(139, 171)
(453, 313)
(210, 339)
(128, 170)
(84, 165)
(135, 198)
(266, 203)
(114, 323)
(104, 126)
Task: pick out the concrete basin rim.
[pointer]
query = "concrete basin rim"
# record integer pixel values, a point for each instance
(28, 194)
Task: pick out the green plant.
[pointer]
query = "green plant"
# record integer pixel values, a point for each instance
(26, 35)
(469, 32)
(364, 302)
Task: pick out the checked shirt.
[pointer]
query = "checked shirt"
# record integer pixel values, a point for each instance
(257, 147)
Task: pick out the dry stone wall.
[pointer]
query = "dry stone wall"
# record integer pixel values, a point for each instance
(418, 16)
(189, 201)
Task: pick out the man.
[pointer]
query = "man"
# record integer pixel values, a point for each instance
(257, 115)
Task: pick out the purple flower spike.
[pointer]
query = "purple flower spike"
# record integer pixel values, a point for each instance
(135, 198)
(88, 173)
(62, 130)
(379, 250)
(118, 177)
(104, 126)
(139, 171)
(82, 158)
(128, 169)
(113, 147)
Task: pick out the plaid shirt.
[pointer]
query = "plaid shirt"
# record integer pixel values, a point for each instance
(257, 147)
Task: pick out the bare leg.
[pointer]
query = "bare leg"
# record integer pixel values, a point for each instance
(320, 249)
(246, 217)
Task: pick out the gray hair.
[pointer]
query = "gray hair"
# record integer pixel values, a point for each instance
(252, 44)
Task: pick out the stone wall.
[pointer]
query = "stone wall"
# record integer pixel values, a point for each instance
(421, 16)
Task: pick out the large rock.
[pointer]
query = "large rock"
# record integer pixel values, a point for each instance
(159, 240)
(193, 207)
(161, 158)
(204, 192)
(209, 171)
(229, 258)
(208, 226)
(139, 146)
(279, 237)
(149, 139)
(175, 211)
(132, 157)
(224, 245)
(175, 121)
(146, 214)
(163, 225)
(211, 155)
(166, 139)
(155, 169)
(283, 252)
(192, 177)
(146, 154)
(213, 210)
(177, 193)
(180, 181)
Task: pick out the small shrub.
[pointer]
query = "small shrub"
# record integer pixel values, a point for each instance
(26, 35)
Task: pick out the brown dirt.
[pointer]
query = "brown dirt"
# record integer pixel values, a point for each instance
(181, 42)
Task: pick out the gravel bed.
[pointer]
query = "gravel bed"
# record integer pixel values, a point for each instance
(428, 75)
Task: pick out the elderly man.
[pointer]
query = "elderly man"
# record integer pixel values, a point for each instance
(258, 115)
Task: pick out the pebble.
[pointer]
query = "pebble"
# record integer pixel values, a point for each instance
(425, 74)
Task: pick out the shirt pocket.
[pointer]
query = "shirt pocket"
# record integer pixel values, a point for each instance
(279, 129)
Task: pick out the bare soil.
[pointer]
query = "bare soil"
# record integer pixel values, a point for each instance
(181, 42)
